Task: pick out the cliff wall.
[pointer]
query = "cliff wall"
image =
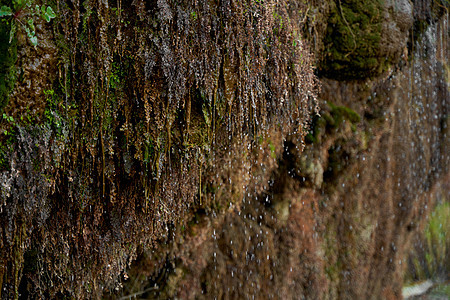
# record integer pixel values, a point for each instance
(228, 149)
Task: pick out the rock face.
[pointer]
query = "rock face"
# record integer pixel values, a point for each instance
(185, 150)
(343, 211)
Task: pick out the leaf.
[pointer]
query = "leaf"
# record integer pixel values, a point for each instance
(31, 33)
(50, 13)
(12, 32)
(5, 11)
(27, 30)
(31, 24)
(34, 41)
(19, 4)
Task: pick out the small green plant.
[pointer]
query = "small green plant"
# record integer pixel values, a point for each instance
(22, 14)
(7, 138)
(10, 123)
(51, 111)
(194, 15)
(430, 260)
(8, 118)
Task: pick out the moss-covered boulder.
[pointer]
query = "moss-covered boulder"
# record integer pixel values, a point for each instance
(364, 38)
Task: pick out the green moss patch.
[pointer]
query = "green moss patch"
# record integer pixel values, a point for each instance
(8, 57)
(352, 41)
(331, 121)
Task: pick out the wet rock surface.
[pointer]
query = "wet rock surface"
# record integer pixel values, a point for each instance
(185, 151)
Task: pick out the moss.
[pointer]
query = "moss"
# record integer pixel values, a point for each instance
(7, 140)
(430, 260)
(330, 121)
(352, 41)
(317, 126)
(8, 57)
(442, 289)
(340, 113)
(272, 150)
